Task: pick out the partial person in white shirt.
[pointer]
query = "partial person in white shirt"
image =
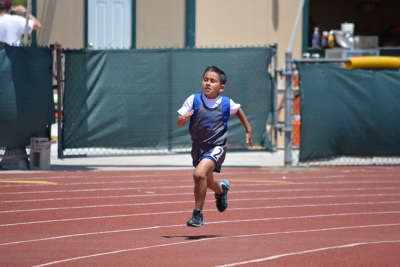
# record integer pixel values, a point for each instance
(13, 26)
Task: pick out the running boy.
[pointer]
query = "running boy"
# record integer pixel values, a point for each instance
(209, 113)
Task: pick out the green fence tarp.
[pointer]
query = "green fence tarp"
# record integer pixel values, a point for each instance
(352, 113)
(26, 95)
(130, 98)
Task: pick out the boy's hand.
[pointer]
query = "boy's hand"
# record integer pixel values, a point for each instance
(240, 114)
(182, 119)
(187, 115)
(249, 139)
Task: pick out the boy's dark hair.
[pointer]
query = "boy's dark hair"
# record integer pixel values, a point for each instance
(221, 74)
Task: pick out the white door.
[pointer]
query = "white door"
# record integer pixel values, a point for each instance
(109, 24)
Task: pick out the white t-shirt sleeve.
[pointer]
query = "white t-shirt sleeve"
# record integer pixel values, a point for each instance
(187, 106)
(234, 107)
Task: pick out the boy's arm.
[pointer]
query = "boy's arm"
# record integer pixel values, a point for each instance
(181, 120)
(246, 124)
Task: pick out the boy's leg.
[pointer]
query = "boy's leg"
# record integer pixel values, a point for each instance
(203, 176)
(200, 177)
(213, 185)
(202, 181)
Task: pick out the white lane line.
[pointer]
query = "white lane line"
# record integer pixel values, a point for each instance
(100, 176)
(174, 212)
(95, 190)
(91, 183)
(191, 193)
(214, 238)
(250, 179)
(26, 183)
(308, 251)
(184, 225)
(248, 182)
(183, 186)
(186, 173)
(233, 200)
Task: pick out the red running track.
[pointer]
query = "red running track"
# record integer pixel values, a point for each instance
(333, 216)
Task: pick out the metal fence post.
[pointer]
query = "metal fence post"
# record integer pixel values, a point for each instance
(170, 112)
(288, 109)
(288, 129)
(59, 103)
(275, 97)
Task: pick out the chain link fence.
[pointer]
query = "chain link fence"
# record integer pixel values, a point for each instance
(125, 102)
(348, 116)
(26, 100)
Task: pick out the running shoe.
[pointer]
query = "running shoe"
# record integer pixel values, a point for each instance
(196, 220)
(222, 200)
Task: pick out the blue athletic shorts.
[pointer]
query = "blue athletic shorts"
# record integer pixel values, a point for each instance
(215, 153)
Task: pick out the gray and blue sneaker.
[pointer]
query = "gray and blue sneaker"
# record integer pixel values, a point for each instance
(196, 220)
(222, 200)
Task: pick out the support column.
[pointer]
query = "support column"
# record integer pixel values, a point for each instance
(288, 109)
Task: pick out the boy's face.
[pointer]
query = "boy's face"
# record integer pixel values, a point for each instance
(212, 85)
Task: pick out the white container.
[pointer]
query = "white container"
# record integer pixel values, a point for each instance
(366, 42)
(347, 27)
(340, 53)
(40, 154)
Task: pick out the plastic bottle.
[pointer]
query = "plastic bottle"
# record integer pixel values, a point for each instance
(331, 40)
(316, 38)
(296, 79)
(324, 39)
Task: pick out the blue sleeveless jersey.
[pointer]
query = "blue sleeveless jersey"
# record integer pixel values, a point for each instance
(209, 126)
